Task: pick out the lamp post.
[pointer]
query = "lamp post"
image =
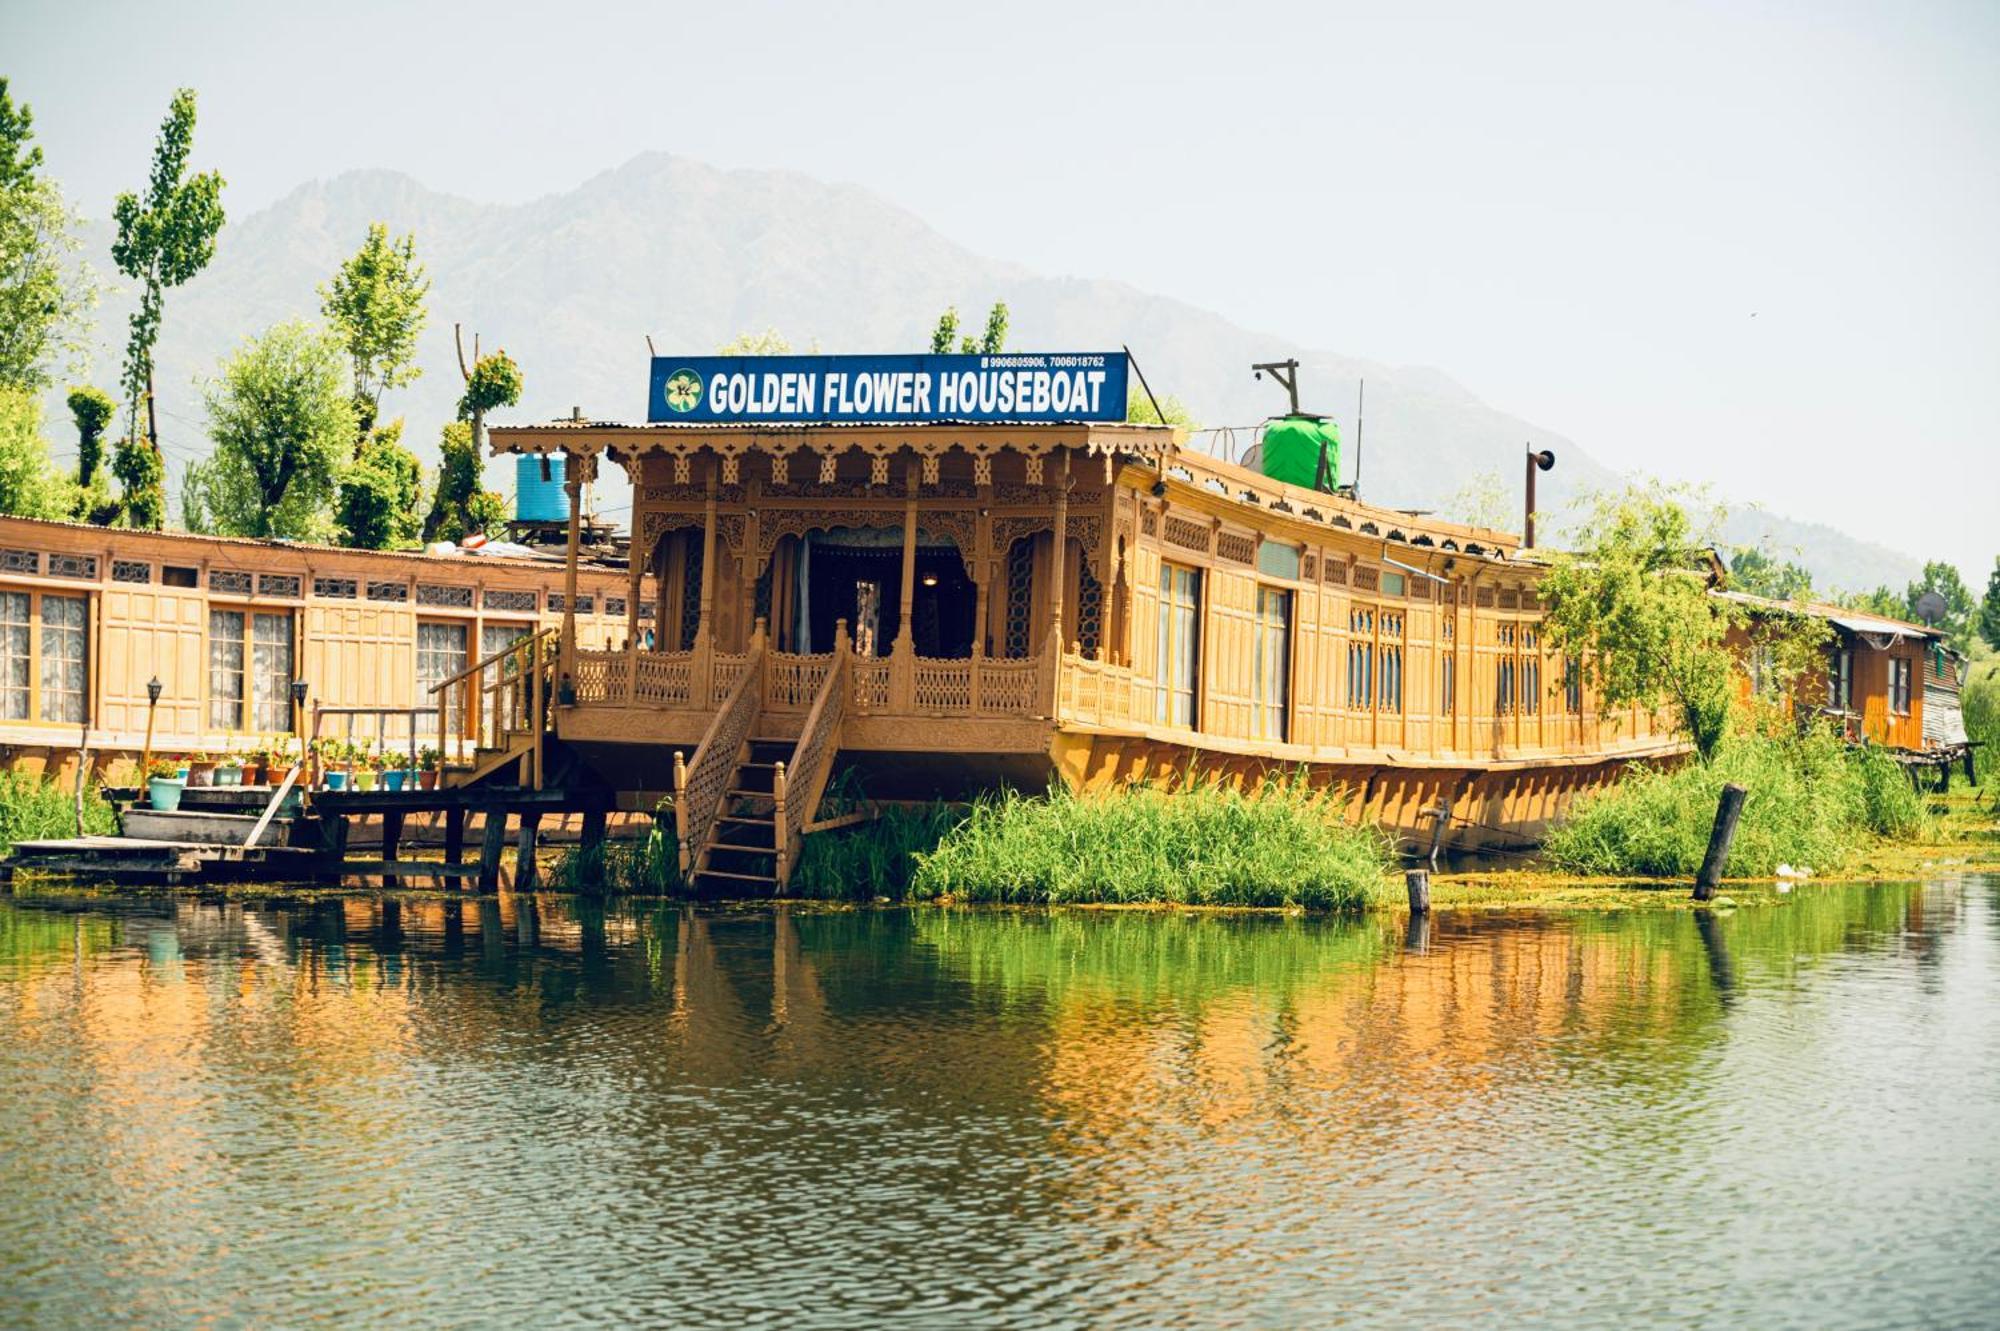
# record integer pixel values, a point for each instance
(299, 717)
(153, 691)
(1541, 461)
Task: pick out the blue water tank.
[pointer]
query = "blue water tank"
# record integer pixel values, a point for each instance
(537, 499)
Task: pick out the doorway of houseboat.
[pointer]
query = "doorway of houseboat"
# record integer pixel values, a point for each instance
(856, 574)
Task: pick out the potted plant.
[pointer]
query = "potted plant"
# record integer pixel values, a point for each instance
(394, 772)
(164, 785)
(254, 767)
(332, 763)
(228, 771)
(365, 771)
(201, 770)
(428, 763)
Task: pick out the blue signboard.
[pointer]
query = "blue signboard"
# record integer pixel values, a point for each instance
(1030, 386)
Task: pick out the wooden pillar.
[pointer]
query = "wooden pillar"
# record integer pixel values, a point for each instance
(392, 832)
(590, 849)
(454, 835)
(705, 625)
(902, 668)
(1727, 811)
(746, 564)
(982, 565)
(634, 581)
(1107, 575)
(492, 842)
(1057, 554)
(573, 488)
(524, 851)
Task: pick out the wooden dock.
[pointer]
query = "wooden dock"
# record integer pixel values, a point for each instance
(205, 840)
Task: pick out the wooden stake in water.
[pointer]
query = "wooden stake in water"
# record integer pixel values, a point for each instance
(1418, 881)
(1727, 811)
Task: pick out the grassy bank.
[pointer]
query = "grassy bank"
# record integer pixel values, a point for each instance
(1812, 803)
(32, 808)
(1282, 845)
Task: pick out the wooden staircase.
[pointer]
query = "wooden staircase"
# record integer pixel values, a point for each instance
(741, 854)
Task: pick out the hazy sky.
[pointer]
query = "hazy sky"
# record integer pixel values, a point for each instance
(1750, 243)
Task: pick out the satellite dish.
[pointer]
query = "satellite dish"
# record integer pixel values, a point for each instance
(1930, 607)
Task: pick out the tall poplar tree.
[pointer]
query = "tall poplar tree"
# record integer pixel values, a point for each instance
(376, 303)
(164, 238)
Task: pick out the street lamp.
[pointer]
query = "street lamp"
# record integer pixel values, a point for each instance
(153, 691)
(1541, 461)
(299, 716)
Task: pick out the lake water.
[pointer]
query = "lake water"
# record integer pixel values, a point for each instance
(533, 1112)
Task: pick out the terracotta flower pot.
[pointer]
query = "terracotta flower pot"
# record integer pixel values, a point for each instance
(427, 779)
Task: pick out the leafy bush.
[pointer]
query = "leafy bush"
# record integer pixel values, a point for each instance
(32, 808)
(1284, 844)
(1812, 803)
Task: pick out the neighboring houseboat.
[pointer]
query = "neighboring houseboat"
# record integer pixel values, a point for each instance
(947, 573)
(1877, 684)
(90, 616)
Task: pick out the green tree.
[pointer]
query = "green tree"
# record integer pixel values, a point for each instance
(1882, 601)
(990, 343)
(376, 303)
(459, 507)
(163, 240)
(1482, 501)
(1631, 606)
(19, 157)
(1989, 608)
(381, 494)
(283, 426)
(770, 342)
(29, 484)
(1139, 411)
(1944, 579)
(91, 408)
(142, 480)
(1755, 571)
(45, 293)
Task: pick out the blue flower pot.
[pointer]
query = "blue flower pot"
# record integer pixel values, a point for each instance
(163, 793)
(392, 779)
(336, 781)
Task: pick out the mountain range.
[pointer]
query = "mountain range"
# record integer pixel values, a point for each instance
(571, 285)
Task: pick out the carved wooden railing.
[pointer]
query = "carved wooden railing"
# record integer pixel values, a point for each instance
(1100, 694)
(700, 786)
(663, 679)
(792, 683)
(800, 783)
(502, 700)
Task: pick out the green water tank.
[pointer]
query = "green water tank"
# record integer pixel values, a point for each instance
(1290, 450)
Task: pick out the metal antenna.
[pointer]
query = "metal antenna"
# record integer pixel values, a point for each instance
(1161, 416)
(1360, 418)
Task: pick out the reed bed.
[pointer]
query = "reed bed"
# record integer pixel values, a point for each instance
(1812, 803)
(32, 808)
(1281, 844)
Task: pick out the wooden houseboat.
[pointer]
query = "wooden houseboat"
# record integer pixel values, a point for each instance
(943, 604)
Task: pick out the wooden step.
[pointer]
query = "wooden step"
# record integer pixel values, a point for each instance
(767, 879)
(751, 822)
(714, 846)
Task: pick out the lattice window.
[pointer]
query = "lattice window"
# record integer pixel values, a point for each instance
(1020, 594)
(73, 566)
(131, 570)
(1149, 522)
(1236, 547)
(506, 600)
(648, 609)
(1309, 568)
(388, 591)
(20, 561)
(1336, 572)
(1485, 598)
(229, 582)
(557, 603)
(1530, 601)
(1188, 535)
(615, 606)
(1367, 579)
(1089, 610)
(586, 605)
(1420, 589)
(444, 594)
(691, 594)
(278, 584)
(1510, 599)
(343, 589)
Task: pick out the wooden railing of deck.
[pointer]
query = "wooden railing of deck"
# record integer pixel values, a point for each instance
(503, 700)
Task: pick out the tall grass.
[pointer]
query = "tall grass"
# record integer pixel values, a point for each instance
(646, 867)
(1283, 844)
(1812, 803)
(32, 808)
(874, 859)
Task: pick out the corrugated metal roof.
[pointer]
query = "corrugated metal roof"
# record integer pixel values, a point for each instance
(1854, 621)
